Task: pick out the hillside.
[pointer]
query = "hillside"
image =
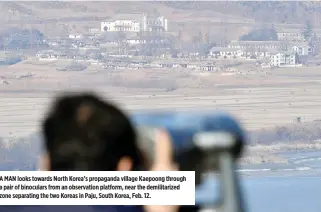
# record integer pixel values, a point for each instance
(56, 18)
(261, 11)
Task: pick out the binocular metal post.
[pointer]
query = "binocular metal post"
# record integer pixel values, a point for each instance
(230, 188)
(220, 146)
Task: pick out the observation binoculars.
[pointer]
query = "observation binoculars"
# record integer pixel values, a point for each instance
(204, 142)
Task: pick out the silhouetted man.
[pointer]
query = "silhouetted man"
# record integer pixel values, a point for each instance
(84, 133)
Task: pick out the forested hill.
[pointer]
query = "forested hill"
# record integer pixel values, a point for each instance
(269, 11)
(265, 11)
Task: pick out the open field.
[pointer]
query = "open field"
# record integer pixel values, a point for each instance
(259, 101)
(263, 100)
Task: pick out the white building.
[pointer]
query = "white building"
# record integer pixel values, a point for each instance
(302, 50)
(154, 24)
(228, 52)
(240, 53)
(135, 41)
(75, 36)
(283, 60)
(254, 44)
(120, 25)
(145, 24)
(290, 35)
(49, 54)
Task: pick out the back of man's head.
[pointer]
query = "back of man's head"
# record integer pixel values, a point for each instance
(84, 133)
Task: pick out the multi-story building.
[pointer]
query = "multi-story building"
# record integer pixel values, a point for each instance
(283, 59)
(302, 50)
(154, 24)
(146, 24)
(120, 26)
(290, 35)
(255, 44)
(228, 52)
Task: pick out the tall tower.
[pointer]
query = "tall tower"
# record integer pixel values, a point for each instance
(143, 24)
(223, 29)
(165, 25)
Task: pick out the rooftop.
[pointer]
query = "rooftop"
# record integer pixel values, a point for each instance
(214, 49)
(114, 20)
(255, 42)
(285, 53)
(288, 30)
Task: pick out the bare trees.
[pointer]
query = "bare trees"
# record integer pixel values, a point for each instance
(197, 40)
(307, 31)
(122, 44)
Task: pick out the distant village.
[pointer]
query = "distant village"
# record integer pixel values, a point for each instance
(149, 43)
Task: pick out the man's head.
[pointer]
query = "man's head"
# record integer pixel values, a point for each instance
(84, 133)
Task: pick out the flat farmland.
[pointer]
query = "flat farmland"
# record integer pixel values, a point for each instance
(261, 100)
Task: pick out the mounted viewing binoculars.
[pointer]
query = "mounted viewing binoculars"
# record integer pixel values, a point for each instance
(203, 142)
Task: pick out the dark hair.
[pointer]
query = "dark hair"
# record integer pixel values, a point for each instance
(84, 133)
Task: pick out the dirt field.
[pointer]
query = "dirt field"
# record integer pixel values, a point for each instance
(259, 101)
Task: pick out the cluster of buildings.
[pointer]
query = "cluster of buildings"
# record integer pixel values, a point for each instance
(285, 52)
(97, 46)
(142, 37)
(265, 50)
(118, 63)
(109, 48)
